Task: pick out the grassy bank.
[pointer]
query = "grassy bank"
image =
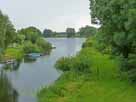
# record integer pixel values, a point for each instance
(102, 84)
(13, 53)
(20, 50)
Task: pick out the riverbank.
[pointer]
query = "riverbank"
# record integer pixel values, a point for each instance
(21, 50)
(102, 84)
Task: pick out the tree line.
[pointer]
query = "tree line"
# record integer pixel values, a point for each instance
(71, 32)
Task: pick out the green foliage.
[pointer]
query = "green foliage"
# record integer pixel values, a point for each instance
(32, 41)
(43, 45)
(70, 32)
(88, 43)
(13, 53)
(121, 13)
(7, 31)
(87, 31)
(48, 33)
(129, 65)
(118, 31)
(79, 63)
(31, 34)
(20, 39)
(64, 64)
(28, 47)
(82, 64)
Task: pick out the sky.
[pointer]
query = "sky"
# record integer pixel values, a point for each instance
(52, 14)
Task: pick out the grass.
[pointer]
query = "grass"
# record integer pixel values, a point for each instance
(13, 53)
(102, 85)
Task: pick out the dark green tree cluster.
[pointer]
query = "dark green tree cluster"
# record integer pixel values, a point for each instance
(30, 34)
(118, 30)
(32, 40)
(70, 32)
(87, 31)
(48, 33)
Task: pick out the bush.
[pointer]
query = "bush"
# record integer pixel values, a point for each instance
(64, 64)
(43, 45)
(30, 48)
(80, 63)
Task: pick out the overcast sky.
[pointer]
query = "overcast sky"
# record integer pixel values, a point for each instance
(52, 14)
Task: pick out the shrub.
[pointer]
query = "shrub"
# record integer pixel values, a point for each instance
(43, 45)
(64, 64)
(30, 48)
(80, 63)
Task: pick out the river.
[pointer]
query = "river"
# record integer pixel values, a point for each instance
(29, 77)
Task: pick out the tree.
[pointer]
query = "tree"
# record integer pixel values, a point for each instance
(47, 33)
(7, 31)
(118, 23)
(31, 33)
(20, 38)
(87, 31)
(70, 32)
(118, 30)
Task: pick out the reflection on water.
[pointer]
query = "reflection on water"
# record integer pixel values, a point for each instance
(29, 60)
(12, 67)
(7, 92)
(16, 65)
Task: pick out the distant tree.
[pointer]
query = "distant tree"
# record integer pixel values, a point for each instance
(70, 32)
(87, 31)
(47, 33)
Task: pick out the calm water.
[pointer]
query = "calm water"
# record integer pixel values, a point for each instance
(30, 77)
